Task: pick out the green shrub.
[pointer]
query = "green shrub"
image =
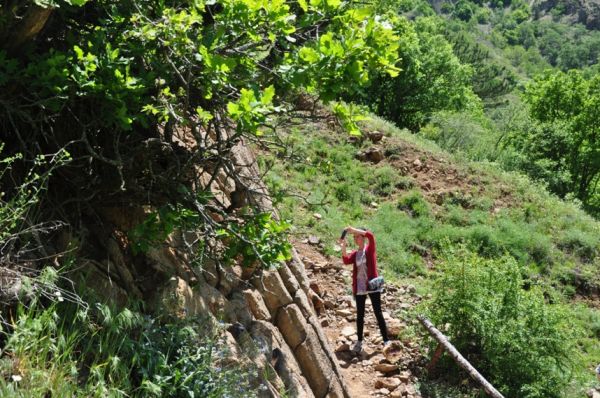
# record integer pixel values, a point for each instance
(383, 180)
(521, 344)
(66, 351)
(414, 204)
(583, 244)
(405, 183)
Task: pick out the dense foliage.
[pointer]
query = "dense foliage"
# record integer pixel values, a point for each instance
(110, 81)
(67, 351)
(432, 77)
(507, 332)
(568, 135)
(140, 105)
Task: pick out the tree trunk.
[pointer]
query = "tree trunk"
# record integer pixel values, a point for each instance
(459, 359)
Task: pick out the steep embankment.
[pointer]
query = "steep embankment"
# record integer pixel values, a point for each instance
(420, 201)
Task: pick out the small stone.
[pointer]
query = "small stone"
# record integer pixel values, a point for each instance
(348, 331)
(593, 393)
(384, 391)
(314, 240)
(417, 163)
(342, 348)
(318, 216)
(343, 313)
(393, 352)
(330, 304)
(374, 205)
(411, 288)
(391, 383)
(324, 322)
(396, 394)
(404, 376)
(386, 367)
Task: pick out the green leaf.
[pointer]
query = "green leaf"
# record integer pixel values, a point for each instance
(268, 94)
(308, 54)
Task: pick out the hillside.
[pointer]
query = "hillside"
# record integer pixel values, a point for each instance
(143, 255)
(422, 202)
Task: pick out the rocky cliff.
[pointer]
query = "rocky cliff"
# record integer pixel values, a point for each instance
(269, 318)
(586, 12)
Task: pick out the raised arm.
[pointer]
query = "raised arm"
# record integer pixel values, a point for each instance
(371, 239)
(368, 234)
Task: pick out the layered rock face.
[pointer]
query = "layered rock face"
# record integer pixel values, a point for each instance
(586, 12)
(270, 321)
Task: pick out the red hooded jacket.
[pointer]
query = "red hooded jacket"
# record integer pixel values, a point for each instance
(371, 260)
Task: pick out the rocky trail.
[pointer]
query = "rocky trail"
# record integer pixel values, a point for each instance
(374, 372)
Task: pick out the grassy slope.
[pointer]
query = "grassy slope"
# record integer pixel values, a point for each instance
(416, 210)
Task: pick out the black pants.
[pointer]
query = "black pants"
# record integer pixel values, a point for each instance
(360, 314)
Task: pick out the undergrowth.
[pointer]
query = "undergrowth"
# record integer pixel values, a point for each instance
(63, 350)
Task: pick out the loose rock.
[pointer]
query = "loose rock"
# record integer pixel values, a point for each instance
(386, 367)
(391, 383)
(314, 240)
(348, 331)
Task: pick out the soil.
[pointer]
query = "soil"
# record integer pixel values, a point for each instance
(332, 298)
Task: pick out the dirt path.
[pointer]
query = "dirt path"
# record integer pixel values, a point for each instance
(374, 372)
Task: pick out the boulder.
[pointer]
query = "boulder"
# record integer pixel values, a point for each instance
(292, 325)
(229, 278)
(404, 376)
(394, 327)
(343, 313)
(372, 154)
(269, 339)
(396, 394)
(593, 393)
(314, 364)
(272, 289)
(302, 302)
(176, 298)
(257, 305)
(210, 273)
(289, 279)
(237, 310)
(375, 136)
(314, 240)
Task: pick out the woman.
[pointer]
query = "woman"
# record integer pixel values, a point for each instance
(364, 261)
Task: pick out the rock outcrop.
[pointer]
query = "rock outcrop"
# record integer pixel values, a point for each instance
(268, 315)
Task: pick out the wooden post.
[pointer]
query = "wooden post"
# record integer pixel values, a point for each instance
(458, 358)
